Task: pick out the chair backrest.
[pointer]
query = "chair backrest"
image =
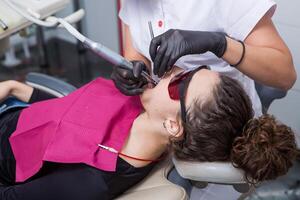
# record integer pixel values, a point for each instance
(49, 84)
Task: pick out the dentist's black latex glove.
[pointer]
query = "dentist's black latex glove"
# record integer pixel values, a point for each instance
(130, 82)
(167, 48)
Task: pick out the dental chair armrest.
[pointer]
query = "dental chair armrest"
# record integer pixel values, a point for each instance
(49, 84)
(209, 172)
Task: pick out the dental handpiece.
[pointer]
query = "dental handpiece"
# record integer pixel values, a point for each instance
(113, 57)
(102, 50)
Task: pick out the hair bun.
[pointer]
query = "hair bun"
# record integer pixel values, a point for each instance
(265, 150)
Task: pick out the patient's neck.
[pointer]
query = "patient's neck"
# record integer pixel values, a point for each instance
(146, 140)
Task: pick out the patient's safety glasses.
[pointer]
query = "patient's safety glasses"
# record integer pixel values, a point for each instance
(178, 86)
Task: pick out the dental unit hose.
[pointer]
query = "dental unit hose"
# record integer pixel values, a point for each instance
(102, 50)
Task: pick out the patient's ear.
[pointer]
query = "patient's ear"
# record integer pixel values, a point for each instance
(173, 127)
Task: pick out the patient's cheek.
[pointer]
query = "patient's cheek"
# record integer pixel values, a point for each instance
(146, 96)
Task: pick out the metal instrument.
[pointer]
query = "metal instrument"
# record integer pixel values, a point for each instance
(113, 57)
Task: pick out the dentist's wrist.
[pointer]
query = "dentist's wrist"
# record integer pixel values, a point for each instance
(235, 53)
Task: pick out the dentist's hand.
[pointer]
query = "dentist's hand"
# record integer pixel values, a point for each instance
(130, 82)
(167, 48)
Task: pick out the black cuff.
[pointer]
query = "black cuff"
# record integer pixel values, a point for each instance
(222, 45)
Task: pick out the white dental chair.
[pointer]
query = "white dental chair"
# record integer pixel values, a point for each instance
(202, 173)
(165, 182)
(154, 186)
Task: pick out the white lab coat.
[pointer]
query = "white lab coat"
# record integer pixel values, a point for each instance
(237, 18)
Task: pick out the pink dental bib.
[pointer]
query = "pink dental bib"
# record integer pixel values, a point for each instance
(69, 129)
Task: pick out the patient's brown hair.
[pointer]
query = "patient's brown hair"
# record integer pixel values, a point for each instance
(223, 129)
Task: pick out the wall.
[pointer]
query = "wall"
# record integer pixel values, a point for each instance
(288, 24)
(100, 22)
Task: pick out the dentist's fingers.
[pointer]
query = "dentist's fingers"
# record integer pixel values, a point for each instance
(138, 67)
(155, 43)
(123, 80)
(129, 91)
(173, 59)
(158, 59)
(130, 82)
(123, 75)
(164, 67)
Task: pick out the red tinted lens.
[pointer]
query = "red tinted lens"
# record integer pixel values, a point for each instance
(174, 91)
(173, 87)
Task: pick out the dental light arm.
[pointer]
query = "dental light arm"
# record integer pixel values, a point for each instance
(16, 15)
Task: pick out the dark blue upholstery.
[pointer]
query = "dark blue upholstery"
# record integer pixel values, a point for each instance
(267, 95)
(50, 82)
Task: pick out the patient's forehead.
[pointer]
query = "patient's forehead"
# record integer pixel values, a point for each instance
(202, 85)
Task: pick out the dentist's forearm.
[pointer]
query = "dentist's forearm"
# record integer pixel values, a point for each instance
(266, 65)
(130, 53)
(21, 91)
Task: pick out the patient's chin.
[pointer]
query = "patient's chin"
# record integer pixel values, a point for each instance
(146, 96)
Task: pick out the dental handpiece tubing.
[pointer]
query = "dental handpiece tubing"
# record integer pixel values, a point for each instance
(113, 57)
(108, 54)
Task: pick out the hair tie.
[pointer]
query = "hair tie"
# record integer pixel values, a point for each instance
(243, 54)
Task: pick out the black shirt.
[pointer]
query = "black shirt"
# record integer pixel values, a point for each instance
(58, 181)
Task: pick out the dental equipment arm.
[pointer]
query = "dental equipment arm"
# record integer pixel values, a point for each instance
(13, 21)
